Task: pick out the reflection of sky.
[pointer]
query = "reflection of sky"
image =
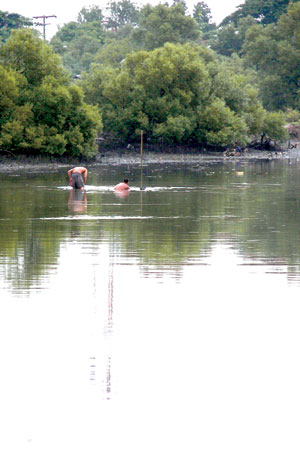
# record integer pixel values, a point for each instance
(208, 361)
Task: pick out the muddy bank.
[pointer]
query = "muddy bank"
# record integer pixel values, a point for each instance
(40, 164)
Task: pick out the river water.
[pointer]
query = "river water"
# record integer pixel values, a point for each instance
(167, 318)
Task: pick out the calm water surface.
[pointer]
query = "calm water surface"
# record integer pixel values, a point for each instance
(165, 319)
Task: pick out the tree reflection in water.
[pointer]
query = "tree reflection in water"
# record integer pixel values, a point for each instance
(175, 221)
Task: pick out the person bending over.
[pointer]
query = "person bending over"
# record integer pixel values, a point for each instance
(77, 177)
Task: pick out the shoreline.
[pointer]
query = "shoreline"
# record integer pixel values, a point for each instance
(40, 164)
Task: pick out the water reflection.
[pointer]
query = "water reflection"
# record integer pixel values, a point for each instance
(108, 329)
(122, 194)
(183, 298)
(77, 201)
(178, 218)
(108, 333)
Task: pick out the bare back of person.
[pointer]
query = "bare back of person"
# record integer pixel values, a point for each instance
(79, 170)
(122, 186)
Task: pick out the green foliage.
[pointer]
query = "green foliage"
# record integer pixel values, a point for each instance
(94, 40)
(78, 42)
(94, 81)
(175, 128)
(178, 2)
(292, 116)
(273, 127)
(91, 14)
(113, 52)
(81, 53)
(171, 82)
(230, 38)
(232, 31)
(117, 45)
(65, 35)
(141, 76)
(160, 24)
(219, 126)
(11, 21)
(41, 112)
(177, 93)
(25, 53)
(264, 11)
(8, 92)
(227, 41)
(275, 53)
(121, 13)
(202, 15)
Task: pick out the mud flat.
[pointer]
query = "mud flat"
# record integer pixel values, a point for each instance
(42, 164)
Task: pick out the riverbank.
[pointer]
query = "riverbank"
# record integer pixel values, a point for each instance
(40, 164)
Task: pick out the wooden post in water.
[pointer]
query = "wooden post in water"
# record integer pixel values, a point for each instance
(141, 147)
(141, 187)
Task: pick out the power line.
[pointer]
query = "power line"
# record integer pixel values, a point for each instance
(44, 24)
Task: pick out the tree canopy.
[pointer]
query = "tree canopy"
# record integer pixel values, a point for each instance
(81, 43)
(274, 51)
(159, 69)
(121, 13)
(160, 24)
(78, 42)
(202, 15)
(179, 93)
(264, 11)
(11, 21)
(41, 111)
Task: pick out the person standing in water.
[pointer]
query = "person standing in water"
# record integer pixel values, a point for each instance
(77, 177)
(122, 186)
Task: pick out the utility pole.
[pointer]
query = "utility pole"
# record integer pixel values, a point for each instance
(44, 24)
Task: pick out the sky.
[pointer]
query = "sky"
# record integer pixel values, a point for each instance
(67, 11)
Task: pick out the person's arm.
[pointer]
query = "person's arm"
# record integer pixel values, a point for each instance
(85, 175)
(70, 174)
